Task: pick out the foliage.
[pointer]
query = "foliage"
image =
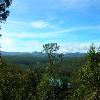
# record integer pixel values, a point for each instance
(51, 86)
(3, 9)
(51, 50)
(45, 81)
(4, 12)
(88, 77)
(16, 84)
(38, 81)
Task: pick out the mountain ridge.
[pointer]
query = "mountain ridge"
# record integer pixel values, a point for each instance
(39, 54)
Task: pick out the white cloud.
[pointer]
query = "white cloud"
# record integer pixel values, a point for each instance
(34, 46)
(27, 41)
(30, 35)
(77, 47)
(17, 22)
(40, 24)
(69, 30)
(8, 44)
(57, 33)
(11, 44)
(7, 41)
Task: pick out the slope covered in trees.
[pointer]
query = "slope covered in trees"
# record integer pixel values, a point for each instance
(71, 79)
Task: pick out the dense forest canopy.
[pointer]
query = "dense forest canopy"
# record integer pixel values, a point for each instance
(36, 78)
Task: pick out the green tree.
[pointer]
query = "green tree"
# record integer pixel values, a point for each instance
(4, 4)
(4, 12)
(51, 49)
(87, 81)
(48, 86)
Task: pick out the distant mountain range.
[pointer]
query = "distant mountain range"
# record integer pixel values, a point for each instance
(40, 54)
(22, 53)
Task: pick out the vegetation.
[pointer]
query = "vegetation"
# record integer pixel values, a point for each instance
(74, 78)
(3, 9)
(87, 81)
(52, 77)
(4, 12)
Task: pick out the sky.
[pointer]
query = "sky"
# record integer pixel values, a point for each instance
(72, 24)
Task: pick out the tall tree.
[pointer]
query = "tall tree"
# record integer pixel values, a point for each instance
(4, 12)
(88, 77)
(51, 49)
(48, 86)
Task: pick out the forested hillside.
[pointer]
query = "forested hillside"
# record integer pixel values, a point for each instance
(35, 78)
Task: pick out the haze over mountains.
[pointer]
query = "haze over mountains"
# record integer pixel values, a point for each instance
(40, 54)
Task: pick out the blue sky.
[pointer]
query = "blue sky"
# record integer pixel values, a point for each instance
(73, 24)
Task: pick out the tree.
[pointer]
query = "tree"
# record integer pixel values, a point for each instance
(4, 4)
(54, 58)
(87, 81)
(51, 49)
(49, 86)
